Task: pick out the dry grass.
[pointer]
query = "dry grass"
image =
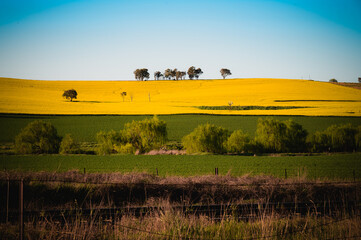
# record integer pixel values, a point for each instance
(174, 97)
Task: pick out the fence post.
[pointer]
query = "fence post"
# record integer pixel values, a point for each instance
(84, 171)
(354, 175)
(7, 201)
(21, 209)
(156, 170)
(216, 171)
(285, 173)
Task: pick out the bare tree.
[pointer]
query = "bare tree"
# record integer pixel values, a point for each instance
(168, 74)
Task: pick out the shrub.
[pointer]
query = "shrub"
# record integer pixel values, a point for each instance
(69, 146)
(239, 142)
(125, 148)
(206, 138)
(336, 138)
(147, 134)
(108, 140)
(332, 80)
(142, 135)
(280, 136)
(37, 137)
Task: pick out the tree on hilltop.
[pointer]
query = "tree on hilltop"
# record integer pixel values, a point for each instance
(70, 94)
(141, 74)
(157, 75)
(332, 80)
(225, 72)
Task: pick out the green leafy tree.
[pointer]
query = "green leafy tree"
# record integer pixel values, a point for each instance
(198, 72)
(239, 142)
(147, 134)
(37, 137)
(332, 80)
(206, 138)
(70, 94)
(68, 145)
(225, 72)
(281, 136)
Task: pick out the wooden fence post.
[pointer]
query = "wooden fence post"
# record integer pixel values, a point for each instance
(156, 170)
(285, 173)
(21, 209)
(7, 201)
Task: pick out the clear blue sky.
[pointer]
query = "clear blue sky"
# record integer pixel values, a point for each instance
(109, 39)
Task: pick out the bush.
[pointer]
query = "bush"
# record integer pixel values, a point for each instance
(206, 138)
(108, 141)
(280, 136)
(37, 137)
(332, 80)
(69, 146)
(142, 135)
(336, 138)
(239, 142)
(147, 134)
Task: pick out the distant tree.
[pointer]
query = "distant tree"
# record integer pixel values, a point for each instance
(70, 94)
(191, 72)
(168, 74)
(174, 73)
(333, 80)
(157, 75)
(359, 80)
(69, 146)
(37, 137)
(141, 74)
(225, 72)
(180, 75)
(198, 72)
(123, 94)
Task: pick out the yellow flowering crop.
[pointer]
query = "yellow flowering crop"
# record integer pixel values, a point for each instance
(176, 97)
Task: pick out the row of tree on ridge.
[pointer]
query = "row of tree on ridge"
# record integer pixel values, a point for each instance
(142, 74)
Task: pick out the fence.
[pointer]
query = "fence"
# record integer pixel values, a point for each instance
(241, 211)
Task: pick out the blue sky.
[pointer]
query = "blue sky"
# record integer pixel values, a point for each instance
(109, 39)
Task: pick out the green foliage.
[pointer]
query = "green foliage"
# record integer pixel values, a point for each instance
(206, 138)
(143, 135)
(336, 138)
(108, 140)
(280, 136)
(37, 137)
(239, 142)
(69, 146)
(332, 80)
(147, 134)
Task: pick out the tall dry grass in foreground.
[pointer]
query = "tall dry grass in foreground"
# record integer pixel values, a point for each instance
(171, 207)
(170, 224)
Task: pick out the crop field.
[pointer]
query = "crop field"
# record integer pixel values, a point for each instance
(308, 98)
(338, 166)
(85, 128)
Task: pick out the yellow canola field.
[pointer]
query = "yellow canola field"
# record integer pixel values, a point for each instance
(177, 97)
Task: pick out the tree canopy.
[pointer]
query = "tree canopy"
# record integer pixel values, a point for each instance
(141, 74)
(225, 72)
(70, 94)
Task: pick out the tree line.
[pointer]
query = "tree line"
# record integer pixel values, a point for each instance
(142, 74)
(272, 136)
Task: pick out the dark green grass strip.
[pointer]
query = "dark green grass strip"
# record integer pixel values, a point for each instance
(338, 166)
(85, 128)
(243, 108)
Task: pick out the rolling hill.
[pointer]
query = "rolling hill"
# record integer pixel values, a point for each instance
(285, 96)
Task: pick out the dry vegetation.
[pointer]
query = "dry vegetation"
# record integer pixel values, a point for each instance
(270, 207)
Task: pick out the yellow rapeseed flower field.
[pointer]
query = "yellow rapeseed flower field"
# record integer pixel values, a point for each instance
(176, 97)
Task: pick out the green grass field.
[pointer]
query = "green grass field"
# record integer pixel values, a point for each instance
(338, 166)
(84, 128)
